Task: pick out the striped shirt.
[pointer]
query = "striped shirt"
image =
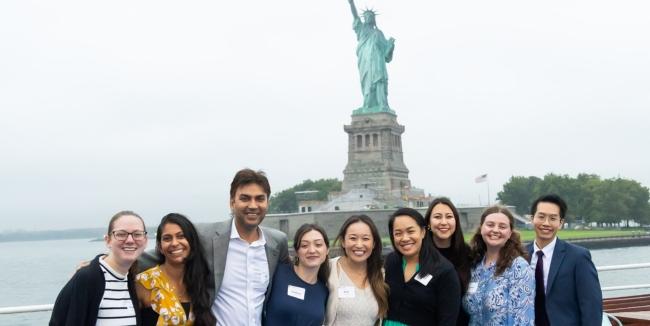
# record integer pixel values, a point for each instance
(116, 307)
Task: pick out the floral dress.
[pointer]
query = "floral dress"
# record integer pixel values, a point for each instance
(507, 299)
(163, 299)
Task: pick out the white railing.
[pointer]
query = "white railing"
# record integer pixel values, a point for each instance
(619, 267)
(48, 307)
(20, 309)
(623, 267)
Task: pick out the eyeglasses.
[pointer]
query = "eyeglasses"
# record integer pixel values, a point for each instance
(551, 218)
(123, 235)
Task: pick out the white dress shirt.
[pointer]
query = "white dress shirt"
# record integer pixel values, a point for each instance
(240, 298)
(548, 255)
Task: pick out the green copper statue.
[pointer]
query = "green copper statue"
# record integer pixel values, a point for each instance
(373, 52)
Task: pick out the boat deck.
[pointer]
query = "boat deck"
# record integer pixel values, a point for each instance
(630, 310)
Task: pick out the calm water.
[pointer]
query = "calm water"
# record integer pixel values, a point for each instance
(34, 272)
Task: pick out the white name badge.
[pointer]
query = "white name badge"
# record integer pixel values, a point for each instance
(424, 280)
(346, 292)
(296, 292)
(473, 286)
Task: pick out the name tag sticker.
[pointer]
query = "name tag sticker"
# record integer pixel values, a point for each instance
(473, 286)
(346, 292)
(424, 280)
(296, 292)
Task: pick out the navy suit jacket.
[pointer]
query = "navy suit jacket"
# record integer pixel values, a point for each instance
(573, 295)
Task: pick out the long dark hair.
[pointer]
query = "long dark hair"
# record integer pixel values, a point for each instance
(460, 251)
(429, 257)
(196, 276)
(374, 264)
(324, 269)
(507, 254)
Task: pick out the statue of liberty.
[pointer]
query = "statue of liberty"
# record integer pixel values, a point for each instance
(373, 52)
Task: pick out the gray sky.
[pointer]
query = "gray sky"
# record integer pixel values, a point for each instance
(154, 105)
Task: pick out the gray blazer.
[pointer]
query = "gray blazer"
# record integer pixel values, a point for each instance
(215, 238)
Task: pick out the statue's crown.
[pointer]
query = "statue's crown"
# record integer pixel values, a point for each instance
(369, 11)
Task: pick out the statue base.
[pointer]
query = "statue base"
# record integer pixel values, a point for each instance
(375, 158)
(373, 110)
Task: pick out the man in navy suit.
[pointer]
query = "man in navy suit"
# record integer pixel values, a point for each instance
(572, 293)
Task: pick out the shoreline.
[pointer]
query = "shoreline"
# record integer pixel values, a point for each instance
(612, 242)
(589, 243)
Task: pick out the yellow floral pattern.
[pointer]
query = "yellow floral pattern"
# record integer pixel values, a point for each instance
(163, 298)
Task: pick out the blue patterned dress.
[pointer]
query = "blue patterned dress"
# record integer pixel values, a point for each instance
(505, 300)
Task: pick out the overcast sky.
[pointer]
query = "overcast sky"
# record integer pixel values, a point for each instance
(154, 105)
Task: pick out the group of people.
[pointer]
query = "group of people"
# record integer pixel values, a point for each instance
(238, 272)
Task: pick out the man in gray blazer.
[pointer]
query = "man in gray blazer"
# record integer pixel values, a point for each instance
(242, 255)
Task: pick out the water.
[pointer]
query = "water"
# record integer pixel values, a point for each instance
(34, 272)
(621, 256)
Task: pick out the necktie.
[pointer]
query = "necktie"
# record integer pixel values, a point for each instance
(540, 298)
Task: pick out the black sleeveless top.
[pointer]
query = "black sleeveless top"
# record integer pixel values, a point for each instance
(150, 317)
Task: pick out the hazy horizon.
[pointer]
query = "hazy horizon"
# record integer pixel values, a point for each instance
(153, 106)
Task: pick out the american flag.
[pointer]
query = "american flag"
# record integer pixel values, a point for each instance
(481, 178)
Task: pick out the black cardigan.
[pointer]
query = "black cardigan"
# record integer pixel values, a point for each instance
(463, 317)
(414, 304)
(78, 302)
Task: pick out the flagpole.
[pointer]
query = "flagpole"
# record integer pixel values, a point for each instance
(488, 198)
(484, 178)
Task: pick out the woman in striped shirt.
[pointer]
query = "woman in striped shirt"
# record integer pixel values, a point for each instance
(103, 293)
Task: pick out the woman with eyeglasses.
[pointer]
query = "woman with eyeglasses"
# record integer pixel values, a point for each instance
(174, 292)
(103, 292)
(501, 290)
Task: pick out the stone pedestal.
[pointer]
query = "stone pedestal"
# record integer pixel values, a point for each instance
(375, 159)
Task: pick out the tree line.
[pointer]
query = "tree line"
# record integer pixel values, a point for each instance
(590, 198)
(286, 201)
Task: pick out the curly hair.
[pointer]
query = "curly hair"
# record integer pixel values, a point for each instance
(507, 254)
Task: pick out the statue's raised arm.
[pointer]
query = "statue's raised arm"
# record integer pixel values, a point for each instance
(373, 52)
(355, 14)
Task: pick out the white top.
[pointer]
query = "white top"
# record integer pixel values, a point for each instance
(548, 255)
(240, 298)
(116, 307)
(347, 304)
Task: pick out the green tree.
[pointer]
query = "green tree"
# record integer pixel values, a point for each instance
(285, 201)
(612, 202)
(602, 201)
(583, 204)
(519, 192)
(640, 208)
